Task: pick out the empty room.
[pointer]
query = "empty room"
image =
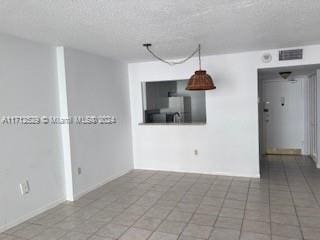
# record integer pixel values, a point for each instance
(159, 120)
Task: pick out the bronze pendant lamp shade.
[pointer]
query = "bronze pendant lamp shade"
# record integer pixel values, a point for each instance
(200, 80)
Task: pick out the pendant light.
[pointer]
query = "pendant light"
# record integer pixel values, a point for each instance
(285, 75)
(199, 81)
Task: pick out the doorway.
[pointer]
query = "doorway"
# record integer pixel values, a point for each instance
(288, 111)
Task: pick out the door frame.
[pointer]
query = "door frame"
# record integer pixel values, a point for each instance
(260, 108)
(266, 120)
(312, 117)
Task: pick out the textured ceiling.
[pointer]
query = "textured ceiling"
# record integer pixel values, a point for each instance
(117, 28)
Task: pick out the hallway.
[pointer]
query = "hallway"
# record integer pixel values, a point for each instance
(282, 205)
(294, 195)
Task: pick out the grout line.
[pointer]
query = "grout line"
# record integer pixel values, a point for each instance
(143, 213)
(164, 219)
(151, 205)
(224, 199)
(245, 210)
(292, 198)
(308, 183)
(269, 198)
(204, 195)
(185, 223)
(106, 223)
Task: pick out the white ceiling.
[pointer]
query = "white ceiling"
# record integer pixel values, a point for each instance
(117, 28)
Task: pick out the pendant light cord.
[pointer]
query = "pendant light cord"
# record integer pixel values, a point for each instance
(172, 63)
(199, 47)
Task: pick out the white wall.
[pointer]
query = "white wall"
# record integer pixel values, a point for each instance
(318, 115)
(28, 86)
(98, 86)
(286, 126)
(228, 143)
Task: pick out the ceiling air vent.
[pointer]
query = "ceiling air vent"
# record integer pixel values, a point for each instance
(292, 54)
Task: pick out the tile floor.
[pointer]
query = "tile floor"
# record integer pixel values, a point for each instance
(282, 205)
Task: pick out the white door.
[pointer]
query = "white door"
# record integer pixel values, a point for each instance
(313, 115)
(283, 119)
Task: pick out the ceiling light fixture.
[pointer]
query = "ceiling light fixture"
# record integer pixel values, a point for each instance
(200, 80)
(285, 75)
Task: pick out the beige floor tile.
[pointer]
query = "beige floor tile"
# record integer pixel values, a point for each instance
(135, 234)
(256, 227)
(231, 223)
(163, 236)
(50, 234)
(285, 231)
(179, 216)
(254, 236)
(112, 230)
(284, 219)
(148, 223)
(171, 227)
(75, 236)
(29, 231)
(255, 215)
(197, 231)
(231, 212)
(224, 234)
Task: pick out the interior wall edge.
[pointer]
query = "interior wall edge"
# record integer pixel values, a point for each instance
(64, 128)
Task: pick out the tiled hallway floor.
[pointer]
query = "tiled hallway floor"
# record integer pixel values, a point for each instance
(282, 205)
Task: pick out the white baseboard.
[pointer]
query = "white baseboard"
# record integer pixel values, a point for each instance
(314, 159)
(94, 187)
(203, 172)
(30, 215)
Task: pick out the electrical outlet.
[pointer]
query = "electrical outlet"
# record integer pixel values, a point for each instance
(196, 152)
(79, 171)
(25, 187)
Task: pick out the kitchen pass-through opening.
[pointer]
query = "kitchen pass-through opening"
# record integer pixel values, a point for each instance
(169, 102)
